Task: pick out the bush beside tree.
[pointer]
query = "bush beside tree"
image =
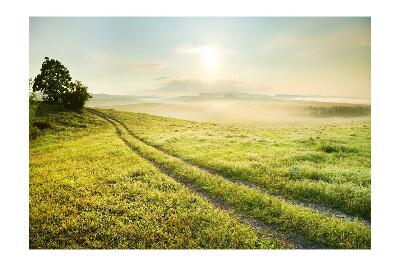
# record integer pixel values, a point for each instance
(76, 97)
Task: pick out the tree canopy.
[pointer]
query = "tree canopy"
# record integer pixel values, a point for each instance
(54, 81)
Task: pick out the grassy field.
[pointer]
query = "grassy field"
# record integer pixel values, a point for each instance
(112, 179)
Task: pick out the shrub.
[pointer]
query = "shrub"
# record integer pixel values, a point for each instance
(41, 124)
(340, 111)
(76, 97)
(330, 148)
(34, 132)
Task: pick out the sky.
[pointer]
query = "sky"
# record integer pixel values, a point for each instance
(167, 56)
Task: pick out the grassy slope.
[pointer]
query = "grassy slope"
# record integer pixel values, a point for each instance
(314, 226)
(327, 164)
(88, 190)
(99, 196)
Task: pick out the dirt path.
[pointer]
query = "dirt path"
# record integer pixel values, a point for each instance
(261, 227)
(316, 207)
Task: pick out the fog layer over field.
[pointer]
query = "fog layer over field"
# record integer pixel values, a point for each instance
(250, 111)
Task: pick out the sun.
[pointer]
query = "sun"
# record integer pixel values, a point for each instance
(210, 58)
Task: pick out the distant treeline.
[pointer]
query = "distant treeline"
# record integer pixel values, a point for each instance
(346, 111)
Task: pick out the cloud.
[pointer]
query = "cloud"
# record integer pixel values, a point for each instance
(149, 65)
(165, 78)
(118, 62)
(306, 44)
(173, 87)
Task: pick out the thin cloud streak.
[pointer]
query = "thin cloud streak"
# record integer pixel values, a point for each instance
(150, 65)
(174, 87)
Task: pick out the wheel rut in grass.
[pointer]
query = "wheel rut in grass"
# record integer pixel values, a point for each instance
(310, 205)
(304, 225)
(260, 227)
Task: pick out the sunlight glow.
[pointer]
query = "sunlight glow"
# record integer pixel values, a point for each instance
(210, 57)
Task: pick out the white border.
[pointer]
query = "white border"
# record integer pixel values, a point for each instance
(14, 137)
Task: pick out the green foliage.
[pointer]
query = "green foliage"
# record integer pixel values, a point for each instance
(54, 81)
(55, 117)
(41, 125)
(340, 111)
(34, 132)
(330, 147)
(76, 97)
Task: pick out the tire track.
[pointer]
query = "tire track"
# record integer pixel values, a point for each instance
(316, 207)
(260, 226)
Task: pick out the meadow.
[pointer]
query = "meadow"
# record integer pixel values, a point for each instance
(89, 190)
(103, 178)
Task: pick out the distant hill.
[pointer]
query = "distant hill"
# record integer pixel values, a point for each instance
(108, 99)
(322, 98)
(223, 96)
(103, 99)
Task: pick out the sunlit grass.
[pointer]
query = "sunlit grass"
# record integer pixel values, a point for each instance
(315, 226)
(88, 190)
(327, 164)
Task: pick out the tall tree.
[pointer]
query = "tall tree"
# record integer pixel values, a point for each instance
(53, 81)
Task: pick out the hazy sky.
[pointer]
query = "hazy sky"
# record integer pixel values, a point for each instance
(185, 56)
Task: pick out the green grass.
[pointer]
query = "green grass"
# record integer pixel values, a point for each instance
(89, 190)
(93, 188)
(55, 118)
(327, 164)
(316, 227)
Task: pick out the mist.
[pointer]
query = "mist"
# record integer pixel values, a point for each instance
(249, 112)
